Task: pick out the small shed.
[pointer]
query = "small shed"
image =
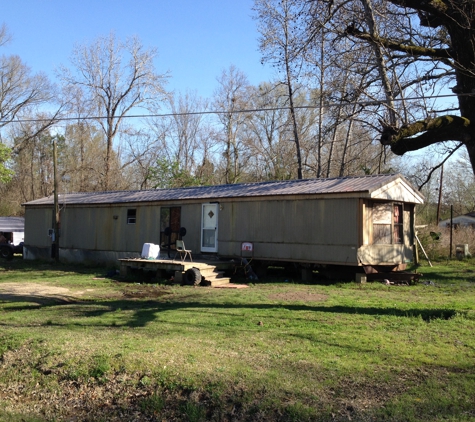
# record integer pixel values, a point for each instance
(347, 221)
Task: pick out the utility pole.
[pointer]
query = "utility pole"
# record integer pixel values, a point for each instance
(451, 228)
(55, 244)
(440, 194)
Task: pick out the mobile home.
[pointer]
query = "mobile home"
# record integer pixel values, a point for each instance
(348, 221)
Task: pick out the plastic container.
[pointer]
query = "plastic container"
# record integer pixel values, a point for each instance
(150, 251)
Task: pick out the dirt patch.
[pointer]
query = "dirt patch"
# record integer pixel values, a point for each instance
(38, 293)
(144, 291)
(299, 296)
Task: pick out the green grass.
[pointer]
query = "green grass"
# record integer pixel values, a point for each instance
(275, 351)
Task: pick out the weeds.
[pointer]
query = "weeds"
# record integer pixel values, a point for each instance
(99, 367)
(153, 404)
(438, 242)
(193, 412)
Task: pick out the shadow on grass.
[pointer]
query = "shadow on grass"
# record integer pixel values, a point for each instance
(27, 265)
(146, 311)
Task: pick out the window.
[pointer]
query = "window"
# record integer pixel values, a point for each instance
(131, 216)
(397, 224)
(387, 223)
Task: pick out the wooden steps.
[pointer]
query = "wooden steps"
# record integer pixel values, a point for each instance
(214, 276)
(212, 272)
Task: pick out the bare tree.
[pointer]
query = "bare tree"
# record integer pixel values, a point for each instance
(423, 46)
(32, 164)
(115, 77)
(19, 90)
(280, 28)
(143, 149)
(459, 188)
(182, 138)
(83, 162)
(272, 155)
(231, 96)
(5, 36)
(22, 95)
(185, 124)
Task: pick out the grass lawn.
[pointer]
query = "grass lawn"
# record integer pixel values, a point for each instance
(85, 347)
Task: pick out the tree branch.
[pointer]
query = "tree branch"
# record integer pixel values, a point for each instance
(438, 166)
(432, 131)
(430, 11)
(413, 50)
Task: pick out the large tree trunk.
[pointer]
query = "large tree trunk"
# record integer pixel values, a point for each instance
(458, 19)
(463, 40)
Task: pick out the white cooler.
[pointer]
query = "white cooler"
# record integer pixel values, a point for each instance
(150, 251)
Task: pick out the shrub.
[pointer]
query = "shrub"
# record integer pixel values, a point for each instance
(438, 247)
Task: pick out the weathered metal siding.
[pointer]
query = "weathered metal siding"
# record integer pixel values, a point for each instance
(102, 232)
(37, 223)
(106, 228)
(96, 228)
(93, 228)
(146, 230)
(324, 230)
(191, 221)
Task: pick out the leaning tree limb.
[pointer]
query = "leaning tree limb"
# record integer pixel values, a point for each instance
(413, 50)
(427, 132)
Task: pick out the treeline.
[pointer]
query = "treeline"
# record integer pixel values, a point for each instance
(322, 115)
(243, 133)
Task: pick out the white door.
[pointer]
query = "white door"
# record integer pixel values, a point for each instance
(209, 228)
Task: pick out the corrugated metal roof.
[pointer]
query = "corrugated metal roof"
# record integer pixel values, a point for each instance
(12, 224)
(278, 188)
(464, 219)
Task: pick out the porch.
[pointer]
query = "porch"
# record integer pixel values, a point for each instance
(202, 272)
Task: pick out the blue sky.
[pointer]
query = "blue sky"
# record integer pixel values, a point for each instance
(195, 40)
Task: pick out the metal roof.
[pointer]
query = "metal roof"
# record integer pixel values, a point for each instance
(338, 185)
(464, 220)
(12, 224)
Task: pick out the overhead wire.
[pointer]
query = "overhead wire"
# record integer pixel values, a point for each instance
(206, 112)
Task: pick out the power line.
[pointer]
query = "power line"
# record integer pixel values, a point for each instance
(252, 110)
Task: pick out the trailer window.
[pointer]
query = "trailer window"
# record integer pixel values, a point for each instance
(387, 223)
(397, 224)
(131, 216)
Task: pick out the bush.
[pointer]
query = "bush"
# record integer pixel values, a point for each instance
(438, 247)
